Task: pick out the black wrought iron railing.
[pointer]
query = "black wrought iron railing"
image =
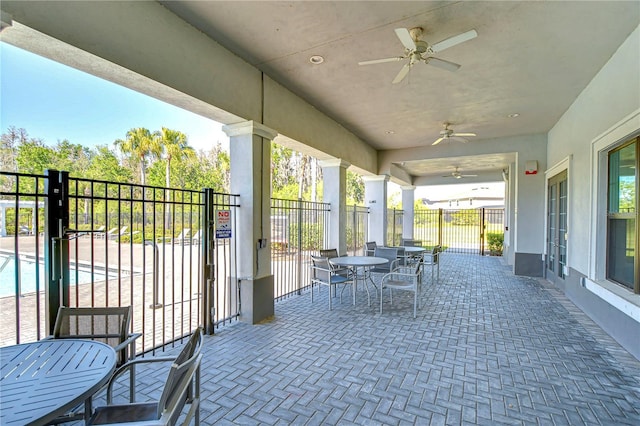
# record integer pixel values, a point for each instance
(298, 229)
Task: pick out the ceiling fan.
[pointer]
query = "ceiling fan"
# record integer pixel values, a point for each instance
(417, 50)
(457, 175)
(448, 133)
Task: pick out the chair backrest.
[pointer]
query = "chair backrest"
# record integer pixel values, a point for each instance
(180, 377)
(370, 248)
(329, 253)
(408, 242)
(184, 234)
(107, 325)
(387, 253)
(321, 269)
(436, 253)
(402, 257)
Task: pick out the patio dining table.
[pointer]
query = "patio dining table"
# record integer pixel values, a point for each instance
(355, 262)
(43, 380)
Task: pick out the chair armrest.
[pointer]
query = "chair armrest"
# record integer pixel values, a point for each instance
(322, 269)
(130, 339)
(394, 264)
(127, 366)
(400, 274)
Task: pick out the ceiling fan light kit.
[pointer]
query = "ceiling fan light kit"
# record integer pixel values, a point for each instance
(417, 50)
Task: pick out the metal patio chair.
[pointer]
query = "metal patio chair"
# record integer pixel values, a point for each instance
(330, 254)
(323, 273)
(406, 278)
(433, 259)
(108, 325)
(390, 253)
(181, 387)
(370, 248)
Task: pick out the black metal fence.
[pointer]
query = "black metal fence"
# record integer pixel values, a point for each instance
(458, 230)
(81, 242)
(298, 229)
(395, 219)
(357, 228)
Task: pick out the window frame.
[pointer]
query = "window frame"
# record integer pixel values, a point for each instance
(635, 286)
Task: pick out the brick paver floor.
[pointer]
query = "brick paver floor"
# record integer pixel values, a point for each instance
(487, 348)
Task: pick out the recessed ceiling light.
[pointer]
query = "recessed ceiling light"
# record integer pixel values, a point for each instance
(316, 59)
(390, 132)
(513, 115)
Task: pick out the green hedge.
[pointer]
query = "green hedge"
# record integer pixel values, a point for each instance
(495, 240)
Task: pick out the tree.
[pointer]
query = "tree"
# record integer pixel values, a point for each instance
(355, 188)
(34, 157)
(8, 147)
(175, 147)
(142, 147)
(104, 165)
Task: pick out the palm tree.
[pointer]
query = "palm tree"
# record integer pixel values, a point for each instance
(141, 146)
(175, 146)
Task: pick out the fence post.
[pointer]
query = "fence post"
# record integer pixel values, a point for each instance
(208, 265)
(56, 247)
(354, 227)
(300, 246)
(482, 231)
(440, 226)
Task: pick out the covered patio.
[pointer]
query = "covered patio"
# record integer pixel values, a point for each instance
(487, 347)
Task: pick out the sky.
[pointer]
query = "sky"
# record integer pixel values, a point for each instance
(54, 102)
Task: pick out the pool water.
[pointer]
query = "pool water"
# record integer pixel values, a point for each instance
(28, 276)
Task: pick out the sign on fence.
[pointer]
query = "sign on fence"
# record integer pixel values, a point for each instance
(223, 224)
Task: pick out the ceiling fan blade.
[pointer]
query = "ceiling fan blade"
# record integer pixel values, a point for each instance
(464, 135)
(402, 74)
(437, 141)
(441, 63)
(381, 61)
(452, 41)
(405, 38)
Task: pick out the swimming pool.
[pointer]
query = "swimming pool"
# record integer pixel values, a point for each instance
(28, 276)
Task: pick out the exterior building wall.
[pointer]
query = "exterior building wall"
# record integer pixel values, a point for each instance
(605, 113)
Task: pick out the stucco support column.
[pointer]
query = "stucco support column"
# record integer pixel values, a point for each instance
(250, 152)
(375, 197)
(508, 245)
(408, 201)
(334, 192)
(3, 225)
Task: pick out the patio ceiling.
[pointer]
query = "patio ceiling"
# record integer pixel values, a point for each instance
(530, 58)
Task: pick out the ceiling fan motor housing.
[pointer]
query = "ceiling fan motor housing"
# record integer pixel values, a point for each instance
(421, 46)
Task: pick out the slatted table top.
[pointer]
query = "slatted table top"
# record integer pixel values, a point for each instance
(42, 380)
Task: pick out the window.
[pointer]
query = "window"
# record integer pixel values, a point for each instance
(622, 214)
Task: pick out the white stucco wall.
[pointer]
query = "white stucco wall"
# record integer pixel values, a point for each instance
(614, 93)
(529, 213)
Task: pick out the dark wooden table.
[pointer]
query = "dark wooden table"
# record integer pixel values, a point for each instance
(43, 380)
